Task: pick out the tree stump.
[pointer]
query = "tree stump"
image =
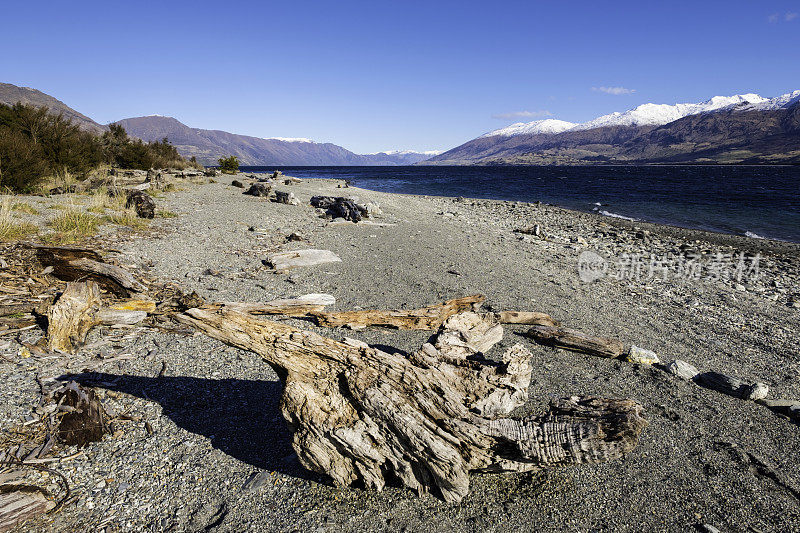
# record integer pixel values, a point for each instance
(423, 420)
(72, 316)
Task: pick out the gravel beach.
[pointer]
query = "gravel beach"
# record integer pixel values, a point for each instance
(212, 452)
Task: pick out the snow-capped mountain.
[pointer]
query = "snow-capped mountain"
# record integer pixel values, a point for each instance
(660, 114)
(537, 127)
(745, 128)
(408, 152)
(779, 102)
(649, 114)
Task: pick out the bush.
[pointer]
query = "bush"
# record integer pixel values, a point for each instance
(229, 165)
(35, 144)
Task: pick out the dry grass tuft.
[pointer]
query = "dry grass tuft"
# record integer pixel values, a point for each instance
(10, 230)
(24, 208)
(127, 217)
(166, 213)
(72, 225)
(100, 200)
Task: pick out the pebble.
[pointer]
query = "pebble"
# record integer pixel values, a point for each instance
(682, 369)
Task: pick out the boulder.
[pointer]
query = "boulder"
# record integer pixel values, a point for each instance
(259, 189)
(143, 204)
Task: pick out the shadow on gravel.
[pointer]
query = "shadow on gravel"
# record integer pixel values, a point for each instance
(241, 417)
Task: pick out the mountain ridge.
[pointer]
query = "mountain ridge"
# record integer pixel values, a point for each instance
(743, 129)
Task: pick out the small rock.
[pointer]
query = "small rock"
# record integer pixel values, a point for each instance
(682, 369)
(373, 209)
(237, 183)
(708, 528)
(283, 197)
(641, 356)
(739, 287)
(294, 237)
(256, 481)
(757, 391)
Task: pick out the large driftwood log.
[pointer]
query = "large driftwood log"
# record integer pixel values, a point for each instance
(427, 318)
(425, 420)
(577, 341)
(73, 264)
(72, 316)
(294, 307)
(19, 503)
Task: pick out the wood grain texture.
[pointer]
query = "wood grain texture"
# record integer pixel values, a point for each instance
(423, 420)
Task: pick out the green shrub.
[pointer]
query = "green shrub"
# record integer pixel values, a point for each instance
(229, 165)
(35, 144)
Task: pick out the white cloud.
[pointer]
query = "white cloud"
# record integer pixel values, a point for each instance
(772, 19)
(613, 90)
(523, 114)
(791, 16)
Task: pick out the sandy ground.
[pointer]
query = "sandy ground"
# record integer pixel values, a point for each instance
(220, 456)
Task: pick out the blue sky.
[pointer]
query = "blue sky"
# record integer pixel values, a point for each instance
(380, 75)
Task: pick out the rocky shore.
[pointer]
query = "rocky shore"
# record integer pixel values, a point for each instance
(209, 450)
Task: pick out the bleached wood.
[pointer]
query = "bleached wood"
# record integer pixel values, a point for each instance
(425, 420)
(426, 318)
(71, 317)
(577, 341)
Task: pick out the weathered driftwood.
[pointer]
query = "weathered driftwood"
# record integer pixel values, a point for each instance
(527, 318)
(296, 307)
(732, 386)
(425, 420)
(283, 261)
(119, 317)
(19, 503)
(427, 318)
(577, 341)
(81, 264)
(72, 316)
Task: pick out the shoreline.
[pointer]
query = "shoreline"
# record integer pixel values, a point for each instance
(216, 416)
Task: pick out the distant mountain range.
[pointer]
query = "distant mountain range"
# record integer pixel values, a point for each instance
(740, 129)
(209, 145)
(11, 94)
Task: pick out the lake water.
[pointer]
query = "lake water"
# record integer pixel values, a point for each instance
(755, 201)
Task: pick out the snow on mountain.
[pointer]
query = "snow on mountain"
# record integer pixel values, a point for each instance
(547, 126)
(779, 102)
(650, 114)
(660, 114)
(407, 152)
(290, 139)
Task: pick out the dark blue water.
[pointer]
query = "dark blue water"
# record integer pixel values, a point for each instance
(762, 201)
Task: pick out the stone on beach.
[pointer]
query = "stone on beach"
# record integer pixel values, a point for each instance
(301, 258)
(682, 369)
(259, 189)
(283, 197)
(641, 356)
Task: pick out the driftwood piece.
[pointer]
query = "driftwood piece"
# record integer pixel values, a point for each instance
(527, 318)
(296, 307)
(19, 503)
(119, 317)
(427, 318)
(73, 264)
(426, 420)
(283, 261)
(72, 316)
(577, 341)
(732, 386)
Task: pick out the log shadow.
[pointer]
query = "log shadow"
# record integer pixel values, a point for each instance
(241, 417)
